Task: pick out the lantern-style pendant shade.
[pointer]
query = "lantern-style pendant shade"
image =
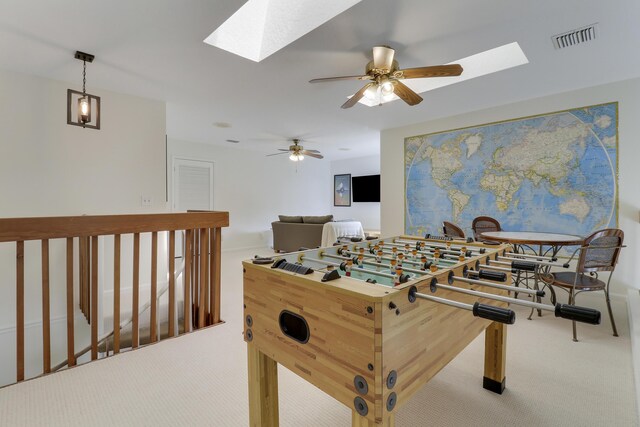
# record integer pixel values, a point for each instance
(83, 109)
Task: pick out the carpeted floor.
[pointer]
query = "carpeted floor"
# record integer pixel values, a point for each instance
(200, 380)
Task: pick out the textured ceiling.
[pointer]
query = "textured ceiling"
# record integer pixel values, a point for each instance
(155, 49)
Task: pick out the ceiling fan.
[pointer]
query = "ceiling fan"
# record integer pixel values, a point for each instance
(385, 74)
(297, 152)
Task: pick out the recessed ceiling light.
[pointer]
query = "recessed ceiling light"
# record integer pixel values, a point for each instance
(222, 125)
(262, 27)
(483, 63)
(233, 141)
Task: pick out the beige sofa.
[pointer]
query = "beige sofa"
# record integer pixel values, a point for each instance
(294, 232)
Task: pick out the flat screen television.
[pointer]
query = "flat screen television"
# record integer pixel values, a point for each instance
(366, 188)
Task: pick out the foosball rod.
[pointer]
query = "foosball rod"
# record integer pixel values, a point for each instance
(571, 312)
(497, 314)
(482, 273)
(441, 246)
(335, 264)
(432, 248)
(454, 249)
(539, 257)
(408, 261)
(449, 256)
(539, 263)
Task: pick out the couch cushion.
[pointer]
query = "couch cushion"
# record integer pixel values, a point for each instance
(287, 218)
(317, 219)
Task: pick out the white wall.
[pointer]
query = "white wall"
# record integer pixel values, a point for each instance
(48, 168)
(368, 213)
(255, 189)
(627, 93)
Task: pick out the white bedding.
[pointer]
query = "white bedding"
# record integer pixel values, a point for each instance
(332, 230)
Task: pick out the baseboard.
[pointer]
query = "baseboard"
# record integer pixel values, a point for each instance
(633, 301)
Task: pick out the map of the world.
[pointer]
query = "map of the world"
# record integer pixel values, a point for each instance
(555, 172)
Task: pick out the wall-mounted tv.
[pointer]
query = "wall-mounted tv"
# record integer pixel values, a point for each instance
(366, 188)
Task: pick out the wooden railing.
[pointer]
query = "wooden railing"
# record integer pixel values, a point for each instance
(201, 273)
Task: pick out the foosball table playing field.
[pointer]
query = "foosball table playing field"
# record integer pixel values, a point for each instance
(370, 323)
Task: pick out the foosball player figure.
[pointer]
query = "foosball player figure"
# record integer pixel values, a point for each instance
(407, 249)
(361, 251)
(392, 267)
(436, 253)
(330, 268)
(433, 267)
(448, 244)
(414, 255)
(400, 259)
(398, 276)
(379, 256)
(394, 252)
(423, 263)
(421, 246)
(347, 268)
(361, 261)
(461, 257)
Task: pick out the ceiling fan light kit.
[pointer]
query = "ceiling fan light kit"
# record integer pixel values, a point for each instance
(297, 152)
(384, 75)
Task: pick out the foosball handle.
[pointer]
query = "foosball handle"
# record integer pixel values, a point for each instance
(497, 314)
(496, 276)
(579, 314)
(523, 265)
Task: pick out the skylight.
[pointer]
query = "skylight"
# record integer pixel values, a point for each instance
(483, 63)
(262, 27)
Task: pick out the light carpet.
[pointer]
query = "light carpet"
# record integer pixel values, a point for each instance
(200, 379)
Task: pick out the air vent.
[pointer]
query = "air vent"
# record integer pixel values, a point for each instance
(574, 37)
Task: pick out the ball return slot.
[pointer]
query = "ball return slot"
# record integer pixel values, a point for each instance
(571, 312)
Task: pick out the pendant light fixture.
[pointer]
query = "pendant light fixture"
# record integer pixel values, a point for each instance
(83, 109)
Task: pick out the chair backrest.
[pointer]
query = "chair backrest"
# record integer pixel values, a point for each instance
(601, 250)
(482, 224)
(452, 230)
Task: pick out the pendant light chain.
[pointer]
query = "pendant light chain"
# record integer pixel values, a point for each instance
(84, 78)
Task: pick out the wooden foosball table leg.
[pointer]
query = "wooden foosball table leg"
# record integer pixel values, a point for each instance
(263, 389)
(495, 352)
(389, 420)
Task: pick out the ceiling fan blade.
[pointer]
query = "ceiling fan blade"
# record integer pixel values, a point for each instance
(383, 57)
(283, 149)
(406, 94)
(333, 79)
(276, 154)
(433, 71)
(310, 154)
(357, 96)
(312, 151)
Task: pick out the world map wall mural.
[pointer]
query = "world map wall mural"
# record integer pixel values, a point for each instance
(556, 172)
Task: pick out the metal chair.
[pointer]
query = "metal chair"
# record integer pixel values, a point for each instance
(483, 224)
(452, 230)
(599, 252)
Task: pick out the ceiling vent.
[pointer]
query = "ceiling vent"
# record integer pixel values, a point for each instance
(574, 37)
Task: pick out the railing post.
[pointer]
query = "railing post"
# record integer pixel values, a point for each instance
(186, 280)
(46, 318)
(71, 355)
(20, 310)
(94, 297)
(216, 253)
(153, 332)
(116, 294)
(135, 339)
(172, 283)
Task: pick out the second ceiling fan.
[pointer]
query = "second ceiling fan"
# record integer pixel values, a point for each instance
(385, 74)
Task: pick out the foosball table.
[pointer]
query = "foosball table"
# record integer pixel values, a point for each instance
(371, 322)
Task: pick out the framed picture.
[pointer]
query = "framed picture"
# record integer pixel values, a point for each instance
(342, 190)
